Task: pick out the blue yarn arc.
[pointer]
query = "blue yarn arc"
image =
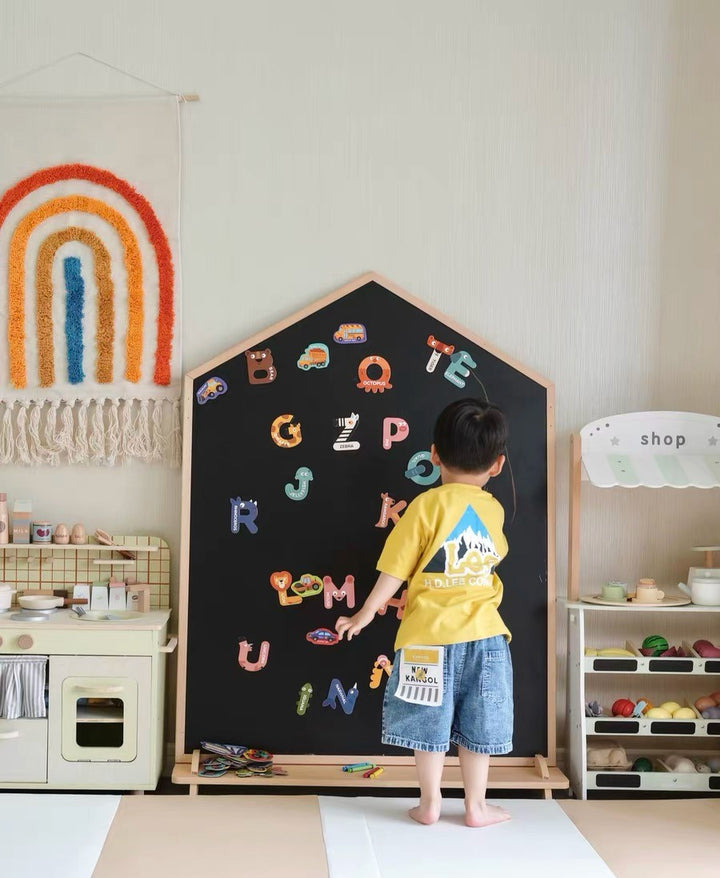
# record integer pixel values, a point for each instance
(74, 303)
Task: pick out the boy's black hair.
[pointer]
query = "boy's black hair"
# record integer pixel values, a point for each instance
(470, 435)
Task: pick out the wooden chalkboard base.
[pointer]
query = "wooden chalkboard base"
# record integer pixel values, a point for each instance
(539, 776)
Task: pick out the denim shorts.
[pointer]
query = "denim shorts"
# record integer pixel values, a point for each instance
(477, 707)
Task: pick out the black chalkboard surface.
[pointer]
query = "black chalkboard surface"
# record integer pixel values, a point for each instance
(311, 369)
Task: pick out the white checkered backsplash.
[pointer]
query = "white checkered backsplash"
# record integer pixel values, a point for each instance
(49, 566)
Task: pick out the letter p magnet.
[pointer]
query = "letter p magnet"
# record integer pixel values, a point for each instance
(394, 430)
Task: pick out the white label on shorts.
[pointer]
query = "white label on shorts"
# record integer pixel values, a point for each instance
(421, 675)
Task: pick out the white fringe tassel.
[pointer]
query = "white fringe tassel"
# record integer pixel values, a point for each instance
(110, 432)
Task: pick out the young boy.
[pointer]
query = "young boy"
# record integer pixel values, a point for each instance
(447, 546)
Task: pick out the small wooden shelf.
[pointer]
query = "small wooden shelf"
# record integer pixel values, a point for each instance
(397, 776)
(69, 547)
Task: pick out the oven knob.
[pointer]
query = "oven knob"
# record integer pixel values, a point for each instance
(25, 641)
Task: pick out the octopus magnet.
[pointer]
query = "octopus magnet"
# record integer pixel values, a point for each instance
(337, 693)
(375, 385)
(243, 512)
(394, 430)
(284, 433)
(322, 637)
(457, 371)
(348, 426)
(303, 476)
(281, 581)
(421, 469)
(381, 665)
(316, 356)
(244, 649)
(438, 349)
(350, 333)
(260, 367)
(304, 696)
(389, 509)
(211, 389)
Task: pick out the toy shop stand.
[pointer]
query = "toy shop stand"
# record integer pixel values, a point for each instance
(642, 664)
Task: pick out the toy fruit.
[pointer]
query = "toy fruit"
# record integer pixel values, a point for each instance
(658, 713)
(670, 706)
(648, 705)
(716, 696)
(642, 764)
(705, 649)
(656, 642)
(705, 702)
(681, 764)
(614, 651)
(714, 763)
(711, 713)
(684, 713)
(623, 707)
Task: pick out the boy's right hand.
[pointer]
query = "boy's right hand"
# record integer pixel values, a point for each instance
(352, 625)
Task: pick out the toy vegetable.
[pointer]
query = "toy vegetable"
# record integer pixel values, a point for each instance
(623, 707)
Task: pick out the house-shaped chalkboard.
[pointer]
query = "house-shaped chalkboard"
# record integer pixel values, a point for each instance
(301, 445)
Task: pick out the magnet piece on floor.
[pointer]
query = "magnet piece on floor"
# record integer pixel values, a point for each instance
(348, 425)
(243, 512)
(337, 693)
(260, 366)
(244, 649)
(315, 356)
(303, 476)
(322, 637)
(438, 349)
(211, 389)
(381, 665)
(394, 430)
(350, 333)
(306, 691)
(381, 382)
(307, 586)
(389, 509)
(421, 469)
(281, 580)
(284, 433)
(457, 371)
(346, 592)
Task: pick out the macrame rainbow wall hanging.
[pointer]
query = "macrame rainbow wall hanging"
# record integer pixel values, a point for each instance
(89, 311)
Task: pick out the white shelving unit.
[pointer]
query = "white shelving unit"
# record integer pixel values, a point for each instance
(616, 452)
(606, 679)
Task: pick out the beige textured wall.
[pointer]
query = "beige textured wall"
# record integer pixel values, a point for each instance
(545, 172)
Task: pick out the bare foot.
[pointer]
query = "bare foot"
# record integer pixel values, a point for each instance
(484, 814)
(425, 813)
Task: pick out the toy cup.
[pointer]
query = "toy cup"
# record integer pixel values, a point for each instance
(648, 592)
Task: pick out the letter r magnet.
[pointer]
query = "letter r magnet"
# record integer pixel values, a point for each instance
(394, 430)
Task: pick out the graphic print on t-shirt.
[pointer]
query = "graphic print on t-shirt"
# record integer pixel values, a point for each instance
(467, 556)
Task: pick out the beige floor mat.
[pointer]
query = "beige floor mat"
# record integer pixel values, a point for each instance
(221, 836)
(662, 839)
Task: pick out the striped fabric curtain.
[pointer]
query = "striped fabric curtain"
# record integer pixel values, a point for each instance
(22, 686)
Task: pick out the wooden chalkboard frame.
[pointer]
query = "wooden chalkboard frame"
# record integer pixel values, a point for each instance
(542, 761)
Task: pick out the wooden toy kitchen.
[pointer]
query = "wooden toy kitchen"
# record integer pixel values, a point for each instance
(82, 690)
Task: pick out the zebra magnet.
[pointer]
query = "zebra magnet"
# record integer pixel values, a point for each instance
(348, 425)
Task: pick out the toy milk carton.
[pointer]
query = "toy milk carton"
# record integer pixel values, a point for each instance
(22, 512)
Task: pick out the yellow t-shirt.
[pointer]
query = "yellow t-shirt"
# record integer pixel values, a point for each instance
(447, 546)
